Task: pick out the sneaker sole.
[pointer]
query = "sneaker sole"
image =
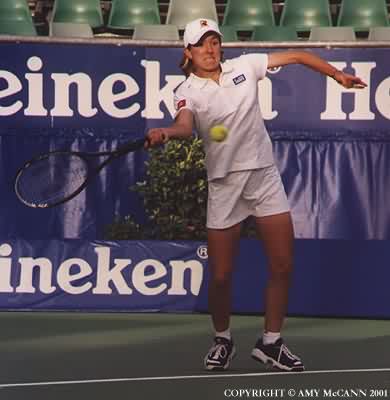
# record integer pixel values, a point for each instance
(258, 355)
(218, 367)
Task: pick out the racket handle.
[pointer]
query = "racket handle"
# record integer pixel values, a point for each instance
(165, 137)
(131, 146)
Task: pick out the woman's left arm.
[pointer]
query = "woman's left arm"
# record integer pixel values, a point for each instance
(316, 63)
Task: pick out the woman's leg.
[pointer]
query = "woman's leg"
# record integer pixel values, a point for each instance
(277, 235)
(222, 248)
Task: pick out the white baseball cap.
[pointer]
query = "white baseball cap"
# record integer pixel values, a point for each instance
(194, 30)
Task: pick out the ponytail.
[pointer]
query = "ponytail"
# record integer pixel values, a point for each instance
(186, 65)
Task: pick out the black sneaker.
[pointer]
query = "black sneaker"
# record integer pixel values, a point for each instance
(219, 356)
(278, 355)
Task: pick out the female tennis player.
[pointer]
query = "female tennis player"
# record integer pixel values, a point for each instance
(243, 178)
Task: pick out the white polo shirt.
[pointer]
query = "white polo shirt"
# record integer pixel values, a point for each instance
(234, 103)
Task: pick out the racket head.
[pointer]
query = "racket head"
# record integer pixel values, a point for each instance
(51, 179)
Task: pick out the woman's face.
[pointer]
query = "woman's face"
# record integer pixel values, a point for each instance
(206, 54)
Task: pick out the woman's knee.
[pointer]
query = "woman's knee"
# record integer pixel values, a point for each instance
(220, 280)
(280, 268)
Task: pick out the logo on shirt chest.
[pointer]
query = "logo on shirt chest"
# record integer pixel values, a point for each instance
(238, 79)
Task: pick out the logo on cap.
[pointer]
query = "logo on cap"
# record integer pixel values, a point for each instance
(203, 22)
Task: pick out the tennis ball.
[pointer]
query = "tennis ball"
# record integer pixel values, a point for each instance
(218, 133)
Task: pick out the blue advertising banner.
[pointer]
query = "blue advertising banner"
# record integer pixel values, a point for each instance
(76, 85)
(331, 145)
(338, 187)
(67, 85)
(331, 278)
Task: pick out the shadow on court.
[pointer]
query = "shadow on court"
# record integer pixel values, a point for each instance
(159, 356)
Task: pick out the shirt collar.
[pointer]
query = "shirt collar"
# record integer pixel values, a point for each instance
(200, 83)
(226, 67)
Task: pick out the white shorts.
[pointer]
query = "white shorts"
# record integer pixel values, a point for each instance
(235, 197)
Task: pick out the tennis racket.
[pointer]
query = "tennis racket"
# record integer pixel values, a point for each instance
(53, 178)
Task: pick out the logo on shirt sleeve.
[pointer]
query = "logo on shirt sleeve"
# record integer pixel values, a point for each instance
(181, 104)
(238, 79)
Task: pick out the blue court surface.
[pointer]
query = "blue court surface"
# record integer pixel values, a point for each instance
(159, 356)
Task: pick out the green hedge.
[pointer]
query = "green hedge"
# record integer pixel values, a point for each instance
(174, 195)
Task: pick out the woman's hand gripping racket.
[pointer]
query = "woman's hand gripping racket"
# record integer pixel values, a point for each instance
(58, 176)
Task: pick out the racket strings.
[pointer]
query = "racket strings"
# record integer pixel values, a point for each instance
(52, 178)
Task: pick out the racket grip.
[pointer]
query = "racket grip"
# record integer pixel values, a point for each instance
(147, 142)
(131, 146)
(165, 138)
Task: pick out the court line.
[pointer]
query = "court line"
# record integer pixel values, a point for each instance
(187, 377)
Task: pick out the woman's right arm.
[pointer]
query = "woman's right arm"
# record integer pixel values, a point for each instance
(180, 129)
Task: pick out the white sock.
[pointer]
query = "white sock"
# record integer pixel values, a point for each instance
(225, 334)
(270, 337)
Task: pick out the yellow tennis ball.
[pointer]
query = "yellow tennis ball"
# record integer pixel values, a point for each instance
(218, 133)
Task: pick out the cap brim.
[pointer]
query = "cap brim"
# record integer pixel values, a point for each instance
(201, 33)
